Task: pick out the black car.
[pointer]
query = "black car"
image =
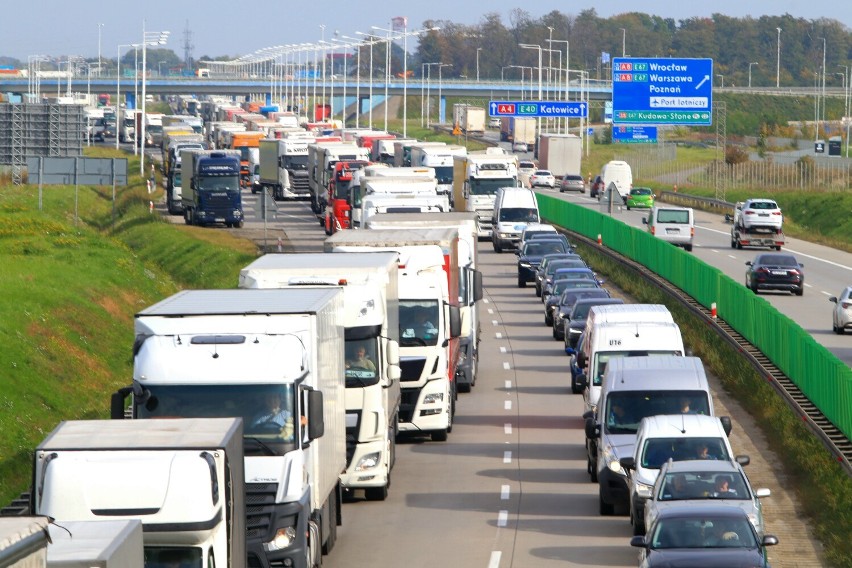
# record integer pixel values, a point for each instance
(560, 236)
(576, 371)
(551, 305)
(568, 298)
(573, 272)
(702, 535)
(775, 271)
(545, 261)
(530, 256)
(574, 325)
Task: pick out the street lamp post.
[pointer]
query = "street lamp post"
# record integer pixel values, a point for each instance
(538, 47)
(100, 25)
(749, 72)
(778, 60)
(478, 49)
(148, 38)
(723, 79)
(567, 70)
(623, 41)
(118, 89)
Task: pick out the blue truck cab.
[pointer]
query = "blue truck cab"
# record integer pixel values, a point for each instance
(214, 195)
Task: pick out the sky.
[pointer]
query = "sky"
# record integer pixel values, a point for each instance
(59, 28)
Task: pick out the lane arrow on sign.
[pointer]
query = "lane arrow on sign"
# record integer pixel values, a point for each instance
(704, 80)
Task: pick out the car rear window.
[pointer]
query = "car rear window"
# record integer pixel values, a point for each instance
(763, 205)
(573, 178)
(672, 216)
(542, 173)
(778, 260)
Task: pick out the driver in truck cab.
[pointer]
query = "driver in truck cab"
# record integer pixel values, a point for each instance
(273, 415)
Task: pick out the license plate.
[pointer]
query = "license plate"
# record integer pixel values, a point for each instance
(672, 231)
(763, 214)
(779, 273)
(220, 219)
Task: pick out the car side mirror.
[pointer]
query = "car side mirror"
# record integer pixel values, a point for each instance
(628, 463)
(639, 542)
(833, 300)
(727, 426)
(748, 263)
(570, 350)
(644, 220)
(593, 430)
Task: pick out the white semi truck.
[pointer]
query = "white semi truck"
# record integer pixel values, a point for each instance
(23, 541)
(470, 280)
(476, 179)
(274, 358)
(183, 479)
(371, 318)
(321, 160)
(429, 320)
(441, 159)
(284, 167)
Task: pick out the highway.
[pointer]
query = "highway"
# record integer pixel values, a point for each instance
(510, 488)
(827, 271)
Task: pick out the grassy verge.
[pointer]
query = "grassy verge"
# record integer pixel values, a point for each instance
(70, 291)
(823, 487)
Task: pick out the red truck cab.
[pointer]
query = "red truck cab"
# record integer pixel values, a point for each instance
(338, 208)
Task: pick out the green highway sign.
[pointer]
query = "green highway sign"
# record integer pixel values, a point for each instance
(663, 117)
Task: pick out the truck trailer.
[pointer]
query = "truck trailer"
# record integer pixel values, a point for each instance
(371, 321)
(275, 359)
(182, 478)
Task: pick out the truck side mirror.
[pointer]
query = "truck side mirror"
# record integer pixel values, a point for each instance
(117, 403)
(628, 463)
(477, 285)
(316, 424)
(455, 322)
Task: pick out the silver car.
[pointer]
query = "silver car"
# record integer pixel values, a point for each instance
(841, 318)
(695, 482)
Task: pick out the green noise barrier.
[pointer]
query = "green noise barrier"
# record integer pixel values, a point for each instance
(822, 377)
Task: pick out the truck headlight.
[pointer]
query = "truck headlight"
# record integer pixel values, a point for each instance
(525, 265)
(433, 398)
(643, 490)
(282, 539)
(610, 458)
(238, 213)
(368, 462)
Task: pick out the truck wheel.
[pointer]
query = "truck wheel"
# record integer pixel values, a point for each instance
(497, 247)
(739, 245)
(331, 539)
(327, 224)
(777, 247)
(238, 224)
(687, 248)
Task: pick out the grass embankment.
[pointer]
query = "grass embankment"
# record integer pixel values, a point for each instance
(825, 490)
(69, 295)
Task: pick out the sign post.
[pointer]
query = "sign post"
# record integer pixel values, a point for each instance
(662, 91)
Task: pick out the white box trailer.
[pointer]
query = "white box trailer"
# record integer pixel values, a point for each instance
(96, 544)
(232, 353)
(371, 318)
(181, 478)
(23, 542)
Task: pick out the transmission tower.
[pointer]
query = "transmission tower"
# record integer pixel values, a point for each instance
(187, 47)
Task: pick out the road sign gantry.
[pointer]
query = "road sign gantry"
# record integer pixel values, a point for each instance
(662, 91)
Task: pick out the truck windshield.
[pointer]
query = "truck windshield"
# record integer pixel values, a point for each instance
(624, 410)
(418, 321)
(296, 162)
(602, 358)
(489, 186)
(169, 557)
(444, 174)
(154, 128)
(219, 183)
(361, 362)
(176, 179)
(267, 410)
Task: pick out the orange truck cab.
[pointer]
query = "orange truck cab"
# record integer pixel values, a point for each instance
(337, 211)
(243, 141)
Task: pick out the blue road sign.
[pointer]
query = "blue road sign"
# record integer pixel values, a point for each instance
(634, 134)
(662, 91)
(544, 109)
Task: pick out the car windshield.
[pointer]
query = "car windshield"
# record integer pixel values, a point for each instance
(677, 486)
(518, 214)
(624, 410)
(640, 191)
(702, 532)
(552, 267)
(543, 173)
(572, 296)
(543, 248)
(603, 357)
(573, 274)
(658, 451)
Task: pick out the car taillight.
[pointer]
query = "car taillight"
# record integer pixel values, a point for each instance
(653, 230)
(846, 305)
(793, 272)
(692, 232)
(776, 212)
(748, 212)
(762, 270)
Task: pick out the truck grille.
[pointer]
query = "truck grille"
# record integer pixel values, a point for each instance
(411, 368)
(260, 503)
(299, 184)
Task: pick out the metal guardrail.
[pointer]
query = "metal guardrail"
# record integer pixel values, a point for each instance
(704, 203)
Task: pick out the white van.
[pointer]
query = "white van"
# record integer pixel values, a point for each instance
(624, 330)
(633, 388)
(675, 225)
(618, 173)
(677, 437)
(514, 209)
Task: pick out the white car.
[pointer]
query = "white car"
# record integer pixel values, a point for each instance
(841, 318)
(543, 178)
(759, 213)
